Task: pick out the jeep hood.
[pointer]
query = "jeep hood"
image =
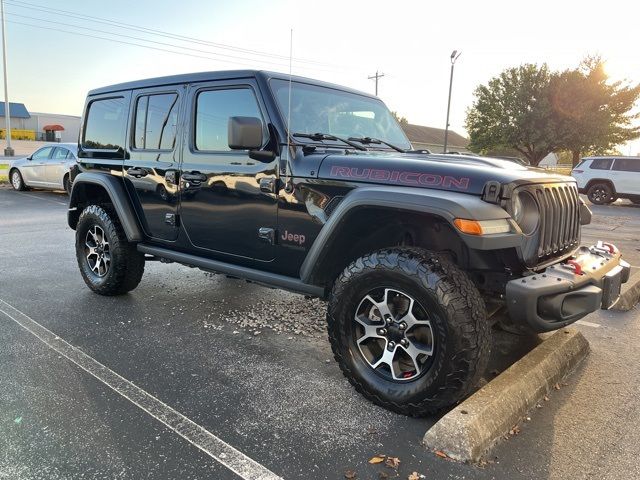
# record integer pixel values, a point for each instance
(460, 173)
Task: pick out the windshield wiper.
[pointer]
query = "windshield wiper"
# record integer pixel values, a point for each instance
(317, 137)
(376, 141)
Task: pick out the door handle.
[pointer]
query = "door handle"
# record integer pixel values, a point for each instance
(194, 177)
(137, 172)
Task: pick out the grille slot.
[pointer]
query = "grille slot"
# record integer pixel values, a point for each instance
(559, 229)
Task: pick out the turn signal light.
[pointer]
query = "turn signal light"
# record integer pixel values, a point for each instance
(482, 227)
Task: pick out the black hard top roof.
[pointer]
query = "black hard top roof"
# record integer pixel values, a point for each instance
(607, 157)
(219, 75)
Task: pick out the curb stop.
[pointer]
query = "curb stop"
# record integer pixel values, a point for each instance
(468, 431)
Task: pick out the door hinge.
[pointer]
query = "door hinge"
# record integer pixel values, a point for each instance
(171, 219)
(267, 234)
(491, 192)
(269, 184)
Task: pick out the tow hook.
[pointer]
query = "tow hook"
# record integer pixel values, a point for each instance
(573, 265)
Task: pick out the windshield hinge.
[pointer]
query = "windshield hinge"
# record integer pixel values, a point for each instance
(491, 192)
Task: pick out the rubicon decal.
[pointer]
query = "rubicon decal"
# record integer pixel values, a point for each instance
(401, 177)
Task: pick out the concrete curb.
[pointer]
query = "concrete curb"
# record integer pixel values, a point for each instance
(474, 426)
(630, 294)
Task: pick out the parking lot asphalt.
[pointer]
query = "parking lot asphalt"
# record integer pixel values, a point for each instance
(249, 365)
(618, 223)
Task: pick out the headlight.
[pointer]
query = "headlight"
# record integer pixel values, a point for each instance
(524, 211)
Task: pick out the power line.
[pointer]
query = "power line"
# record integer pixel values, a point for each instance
(245, 61)
(184, 38)
(123, 42)
(145, 40)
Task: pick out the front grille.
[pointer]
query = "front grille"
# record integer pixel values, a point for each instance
(559, 230)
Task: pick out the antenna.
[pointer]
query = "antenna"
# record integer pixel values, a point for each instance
(289, 109)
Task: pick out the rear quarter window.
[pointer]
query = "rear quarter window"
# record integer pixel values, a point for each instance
(627, 165)
(601, 164)
(105, 124)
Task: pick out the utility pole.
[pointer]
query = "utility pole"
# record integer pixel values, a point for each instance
(376, 77)
(454, 56)
(8, 151)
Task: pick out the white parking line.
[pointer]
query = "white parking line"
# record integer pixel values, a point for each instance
(43, 198)
(224, 453)
(588, 324)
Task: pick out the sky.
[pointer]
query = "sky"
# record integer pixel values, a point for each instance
(344, 42)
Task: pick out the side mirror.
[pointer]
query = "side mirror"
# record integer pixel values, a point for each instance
(29, 157)
(245, 133)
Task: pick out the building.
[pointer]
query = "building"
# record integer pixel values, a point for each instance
(33, 125)
(19, 115)
(429, 138)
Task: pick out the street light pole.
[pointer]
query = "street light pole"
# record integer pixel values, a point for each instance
(8, 152)
(454, 56)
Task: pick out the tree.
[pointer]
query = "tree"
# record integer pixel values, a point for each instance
(513, 111)
(401, 120)
(591, 114)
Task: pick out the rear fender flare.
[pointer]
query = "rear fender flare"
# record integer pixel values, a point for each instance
(114, 188)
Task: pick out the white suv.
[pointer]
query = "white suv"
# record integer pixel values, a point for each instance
(605, 179)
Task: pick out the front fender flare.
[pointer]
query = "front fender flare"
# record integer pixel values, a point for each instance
(114, 188)
(444, 204)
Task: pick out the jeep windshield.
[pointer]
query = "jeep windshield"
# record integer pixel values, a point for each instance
(337, 113)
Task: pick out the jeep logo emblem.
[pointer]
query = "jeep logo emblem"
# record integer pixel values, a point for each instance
(293, 238)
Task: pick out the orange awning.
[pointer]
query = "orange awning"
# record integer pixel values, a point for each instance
(55, 128)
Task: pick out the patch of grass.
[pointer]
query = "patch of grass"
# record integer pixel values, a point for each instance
(3, 178)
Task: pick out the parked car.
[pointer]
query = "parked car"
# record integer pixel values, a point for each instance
(605, 179)
(48, 167)
(331, 202)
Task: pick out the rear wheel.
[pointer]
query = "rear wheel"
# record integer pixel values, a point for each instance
(600, 194)
(16, 180)
(109, 264)
(66, 183)
(409, 330)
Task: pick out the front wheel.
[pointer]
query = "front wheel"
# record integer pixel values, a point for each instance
(409, 330)
(109, 264)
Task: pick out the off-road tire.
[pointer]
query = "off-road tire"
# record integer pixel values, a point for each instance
(126, 265)
(461, 330)
(20, 183)
(600, 194)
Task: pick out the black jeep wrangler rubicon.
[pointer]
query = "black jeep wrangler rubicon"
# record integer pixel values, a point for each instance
(314, 188)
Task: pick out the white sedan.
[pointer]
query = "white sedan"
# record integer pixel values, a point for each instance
(48, 167)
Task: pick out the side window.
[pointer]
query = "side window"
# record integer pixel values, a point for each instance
(42, 153)
(627, 165)
(60, 153)
(213, 109)
(156, 122)
(105, 124)
(601, 164)
(70, 155)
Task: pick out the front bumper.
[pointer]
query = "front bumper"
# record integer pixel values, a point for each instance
(568, 291)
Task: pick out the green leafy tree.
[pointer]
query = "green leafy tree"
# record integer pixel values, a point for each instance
(401, 120)
(592, 115)
(513, 111)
